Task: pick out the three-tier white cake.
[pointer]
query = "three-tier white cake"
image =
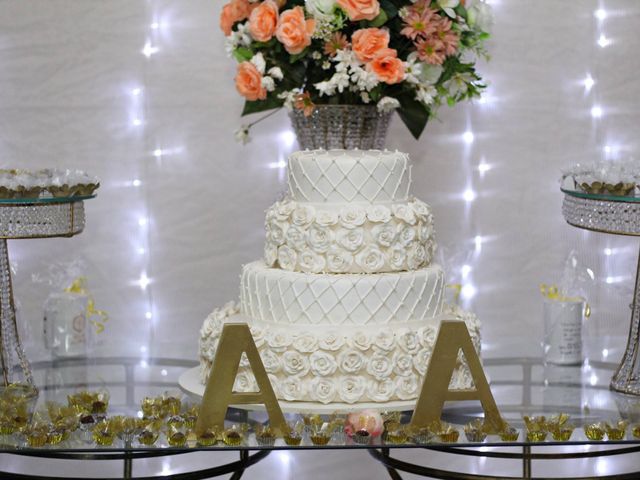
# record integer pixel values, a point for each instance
(345, 305)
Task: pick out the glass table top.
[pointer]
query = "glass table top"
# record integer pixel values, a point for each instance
(521, 386)
(44, 200)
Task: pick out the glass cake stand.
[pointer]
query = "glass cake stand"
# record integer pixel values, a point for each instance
(521, 386)
(20, 219)
(619, 216)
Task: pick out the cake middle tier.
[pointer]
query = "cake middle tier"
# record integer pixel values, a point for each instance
(273, 295)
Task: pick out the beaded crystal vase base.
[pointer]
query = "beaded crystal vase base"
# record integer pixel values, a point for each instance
(36, 218)
(346, 127)
(620, 216)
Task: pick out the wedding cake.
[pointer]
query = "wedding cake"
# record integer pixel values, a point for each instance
(345, 305)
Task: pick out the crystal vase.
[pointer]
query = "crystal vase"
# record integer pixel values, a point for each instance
(341, 127)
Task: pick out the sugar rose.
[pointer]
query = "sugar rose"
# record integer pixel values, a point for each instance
(360, 9)
(249, 82)
(293, 31)
(263, 21)
(387, 66)
(232, 12)
(368, 42)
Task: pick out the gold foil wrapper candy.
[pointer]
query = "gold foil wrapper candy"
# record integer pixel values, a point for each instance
(445, 432)
(176, 437)
(396, 433)
(175, 421)
(293, 434)
(171, 404)
(57, 434)
(617, 189)
(635, 431)
(616, 431)
(36, 437)
(535, 422)
(536, 435)
(560, 430)
(265, 436)
(234, 436)
(148, 437)
(509, 434)
(90, 402)
(103, 434)
(420, 435)
(208, 438)
(594, 431)
(475, 431)
(320, 438)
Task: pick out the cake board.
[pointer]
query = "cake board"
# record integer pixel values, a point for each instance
(189, 383)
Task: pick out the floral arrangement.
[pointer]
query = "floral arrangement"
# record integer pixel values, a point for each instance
(412, 56)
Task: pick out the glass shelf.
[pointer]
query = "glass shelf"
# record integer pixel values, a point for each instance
(44, 200)
(521, 386)
(602, 196)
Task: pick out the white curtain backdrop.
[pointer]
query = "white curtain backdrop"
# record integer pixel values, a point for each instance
(141, 94)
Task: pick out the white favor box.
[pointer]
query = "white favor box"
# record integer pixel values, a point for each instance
(563, 331)
(66, 331)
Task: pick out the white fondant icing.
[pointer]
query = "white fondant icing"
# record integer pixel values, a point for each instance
(273, 295)
(348, 176)
(349, 239)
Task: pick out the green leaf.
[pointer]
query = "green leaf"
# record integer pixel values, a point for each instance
(389, 8)
(272, 101)
(243, 54)
(414, 114)
(378, 21)
(297, 56)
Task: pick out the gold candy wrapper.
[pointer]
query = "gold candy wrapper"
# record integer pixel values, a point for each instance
(148, 437)
(620, 189)
(266, 436)
(475, 431)
(594, 431)
(509, 434)
(208, 438)
(616, 431)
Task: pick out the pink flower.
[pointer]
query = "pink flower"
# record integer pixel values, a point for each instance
(419, 24)
(369, 420)
(431, 50)
(448, 38)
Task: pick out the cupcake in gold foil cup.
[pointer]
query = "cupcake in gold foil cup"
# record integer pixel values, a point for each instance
(208, 438)
(509, 434)
(148, 437)
(293, 434)
(234, 435)
(594, 431)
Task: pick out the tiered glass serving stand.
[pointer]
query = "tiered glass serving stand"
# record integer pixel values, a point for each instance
(521, 386)
(616, 215)
(22, 219)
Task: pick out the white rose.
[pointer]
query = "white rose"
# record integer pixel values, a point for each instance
(320, 238)
(283, 210)
(407, 387)
(480, 15)
(381, 391)
(384, 340)
(421, 209)
(294, 363)
(326, 218)
(219, 314)
(351, 239)
(425, 232)
(322, 364)
(305, 343)
(416, 255)
(270, 253)
(320, 9)
(275, 232)
(379, 214)
(296, 238)
(287, 257)
(406, 235)
(338, 261)
(352, 216)
(258, 335)
(322, 390)
(421, 360)
(245, 382)
(278, 342)
(208, 327)
(292, 388)
(405, 213)
(396, 257)
(427, 336)
(350, 361)
(271, 361)
(351, 389)
(310, 261)
(231, 308)
(361, 341)
(408, 341)
(379, 366)
(331, 341)
(370, 259)
(303, 215)
(385, 234)
(402, 364)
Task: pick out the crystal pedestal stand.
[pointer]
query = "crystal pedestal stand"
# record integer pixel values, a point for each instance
(45, 218)
(619, 216)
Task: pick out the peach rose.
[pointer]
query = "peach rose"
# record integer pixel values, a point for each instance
(360, 9)
(293, 31)
(387, 66)
(249, 82)
(367, 42)
(233, 12)
(263, 21)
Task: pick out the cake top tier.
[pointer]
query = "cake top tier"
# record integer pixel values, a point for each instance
(349, 176)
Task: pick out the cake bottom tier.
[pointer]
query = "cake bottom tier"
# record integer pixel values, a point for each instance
(327, 364)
